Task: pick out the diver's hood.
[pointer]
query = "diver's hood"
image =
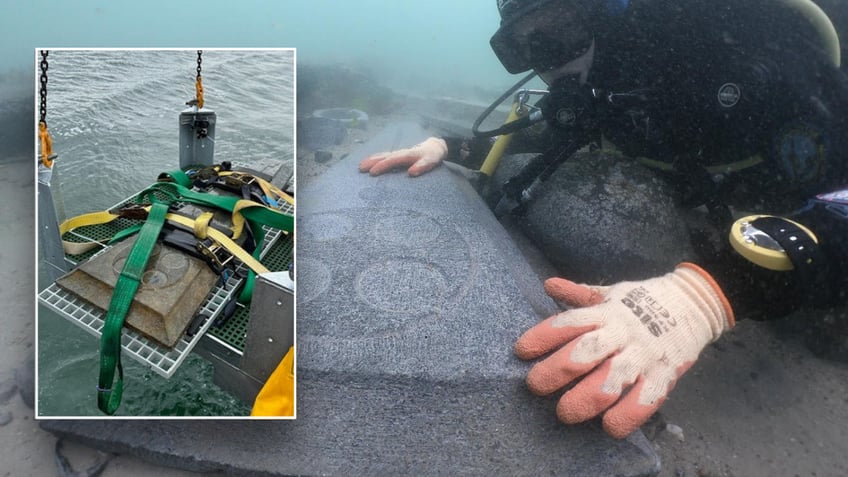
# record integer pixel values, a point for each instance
(546, 34)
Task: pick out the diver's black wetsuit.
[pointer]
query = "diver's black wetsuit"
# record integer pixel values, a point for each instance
(728, 146)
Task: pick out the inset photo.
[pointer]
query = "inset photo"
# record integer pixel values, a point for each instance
(165, 232)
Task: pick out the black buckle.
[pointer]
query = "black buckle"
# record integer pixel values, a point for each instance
(217, 256)
(133, 211)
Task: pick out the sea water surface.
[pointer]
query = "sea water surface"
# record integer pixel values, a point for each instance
(113, 116)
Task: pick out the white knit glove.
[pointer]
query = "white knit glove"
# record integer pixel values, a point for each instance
(420, 158)
(640, 335)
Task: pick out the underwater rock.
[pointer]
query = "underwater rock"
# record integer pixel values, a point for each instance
(323, 156)
(676, 431)
(825, 333)
(7, 390)
(5, 418)
(315, 133)
(329, 127)
(352, 118)
(25, 381)
(65, 469)
(601, 218)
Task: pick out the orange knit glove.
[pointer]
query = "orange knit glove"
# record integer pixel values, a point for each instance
(640, 335)
(420, 158)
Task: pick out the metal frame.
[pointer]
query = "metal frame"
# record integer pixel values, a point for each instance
(162, 360)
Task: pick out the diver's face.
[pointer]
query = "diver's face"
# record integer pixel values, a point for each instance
(544, 40)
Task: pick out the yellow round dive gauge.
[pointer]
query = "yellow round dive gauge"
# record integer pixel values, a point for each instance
(758, 238)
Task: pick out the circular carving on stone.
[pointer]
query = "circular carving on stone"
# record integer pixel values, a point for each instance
(173, 261)
(313, 279)
(154, 279)
(118, 264)
(323, 227)
(125, 247)
(380, 279)
(406, 230)
(402, 286)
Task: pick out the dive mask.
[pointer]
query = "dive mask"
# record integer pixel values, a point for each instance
(542, 38)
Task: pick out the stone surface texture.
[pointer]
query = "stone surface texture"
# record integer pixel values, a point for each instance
(172, 288)
(410, 296)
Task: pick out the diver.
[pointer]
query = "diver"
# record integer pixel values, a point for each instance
(738, 106)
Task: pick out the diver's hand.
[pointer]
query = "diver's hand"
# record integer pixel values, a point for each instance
(420, 158)
(640, 335)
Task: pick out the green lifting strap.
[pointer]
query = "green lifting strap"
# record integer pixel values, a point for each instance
(257, 215)
(110, 390)
(109, 397)
(254, 216)
(177, 176)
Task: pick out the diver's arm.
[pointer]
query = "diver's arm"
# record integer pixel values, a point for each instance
(645, 334)
(471, 152)
(468, 152)
(426, 155)
(419, 159)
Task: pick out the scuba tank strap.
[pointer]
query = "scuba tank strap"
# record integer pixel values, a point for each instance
(109, 390)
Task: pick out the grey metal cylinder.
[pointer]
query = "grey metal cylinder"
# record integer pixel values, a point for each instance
(197, 137)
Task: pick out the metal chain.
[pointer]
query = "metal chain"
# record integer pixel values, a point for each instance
(43, 90)
(199, 52)
(198, 83)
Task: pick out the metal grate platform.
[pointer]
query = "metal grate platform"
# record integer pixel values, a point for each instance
(164, 361)
(276, 259)
(286, 208)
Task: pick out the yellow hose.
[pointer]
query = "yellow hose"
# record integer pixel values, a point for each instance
(496, 152)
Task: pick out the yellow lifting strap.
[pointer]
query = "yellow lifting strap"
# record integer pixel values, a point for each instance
(98, 218)
(224, 241)
(276, 398)
(201, 225)
(46, 145)
(268, 189)
(94, 218)
(238, 218)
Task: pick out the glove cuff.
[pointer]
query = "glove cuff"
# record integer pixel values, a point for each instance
(730, 319)
(436, 143)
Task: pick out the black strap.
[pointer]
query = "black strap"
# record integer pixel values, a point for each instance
(804, 253)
